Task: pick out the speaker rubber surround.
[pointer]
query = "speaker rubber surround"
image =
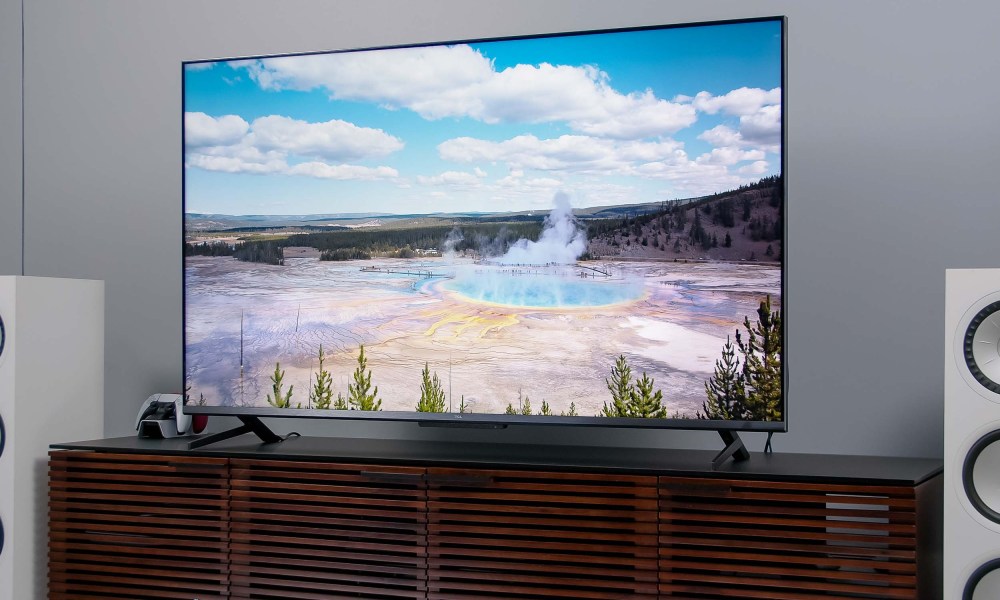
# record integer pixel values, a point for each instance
(3, 436)
(968, 468)
(977, 576)
(3, 336)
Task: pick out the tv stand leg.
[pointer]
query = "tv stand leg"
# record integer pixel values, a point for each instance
(734, 449)
(250, 425)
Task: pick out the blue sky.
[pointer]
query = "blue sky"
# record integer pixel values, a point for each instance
(610, 118)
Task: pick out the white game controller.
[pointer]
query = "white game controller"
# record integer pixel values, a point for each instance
(162, 416)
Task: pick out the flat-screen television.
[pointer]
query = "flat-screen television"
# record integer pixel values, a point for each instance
(578, 228)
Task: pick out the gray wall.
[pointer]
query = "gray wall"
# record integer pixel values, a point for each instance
(10, 137)
(893, 132)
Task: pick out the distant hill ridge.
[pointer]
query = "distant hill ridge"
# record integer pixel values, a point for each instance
(744, 224)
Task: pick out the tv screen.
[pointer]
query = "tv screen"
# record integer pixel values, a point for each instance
(581, 228)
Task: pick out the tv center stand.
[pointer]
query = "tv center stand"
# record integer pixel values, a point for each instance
(422, 520)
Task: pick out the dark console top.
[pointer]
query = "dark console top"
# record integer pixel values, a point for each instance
(782, 466)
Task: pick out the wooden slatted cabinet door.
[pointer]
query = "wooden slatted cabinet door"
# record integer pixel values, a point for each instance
(723, 538)
(137, 526)
(322, 531)
(533, 535)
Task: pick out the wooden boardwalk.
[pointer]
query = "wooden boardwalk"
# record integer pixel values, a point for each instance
(402, 272)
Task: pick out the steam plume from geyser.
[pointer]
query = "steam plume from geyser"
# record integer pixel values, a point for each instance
(454, 237)
(562, 241)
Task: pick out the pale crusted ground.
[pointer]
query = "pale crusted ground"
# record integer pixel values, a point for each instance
(674, 331)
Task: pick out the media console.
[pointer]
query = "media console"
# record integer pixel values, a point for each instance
(317, 518)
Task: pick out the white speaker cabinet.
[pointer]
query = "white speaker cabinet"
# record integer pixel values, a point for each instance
(51, 390)
(972, 435)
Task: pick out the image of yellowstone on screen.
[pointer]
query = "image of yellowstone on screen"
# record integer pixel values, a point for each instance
(570, 226)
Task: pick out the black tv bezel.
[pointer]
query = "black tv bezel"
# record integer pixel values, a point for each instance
(487, 420)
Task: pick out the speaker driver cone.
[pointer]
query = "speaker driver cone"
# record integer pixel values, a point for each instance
(981, 476)
(984, 584)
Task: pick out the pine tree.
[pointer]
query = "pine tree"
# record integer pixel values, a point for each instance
(644, 403)
(280, 400)
(524, 402)
(545, 411)
(321, 395)
(681, 218)
(572, 410)
(340, 403)
(729, 241)
(431, 393)
(725, 390)
(510, 409)
(620, 386)
(462, 408)
(762, 363)
(361, 395)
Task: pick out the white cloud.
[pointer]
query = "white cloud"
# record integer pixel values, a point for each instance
(739, 102)
(396, 77)
(516, 181)
(729, 155)
(231, 145)
(566, 153)
(760, 130)
(332, 140)
(356, 172)
(763, 127)
(755, 168)
(453, 178)
(236, 164)
(580, 96)
(721, 136)
(690, 177)
(574, 156)
(457, 81)
(203, 130)
(643, 117)
(236, 158)
(199, 66)
(649, 151)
